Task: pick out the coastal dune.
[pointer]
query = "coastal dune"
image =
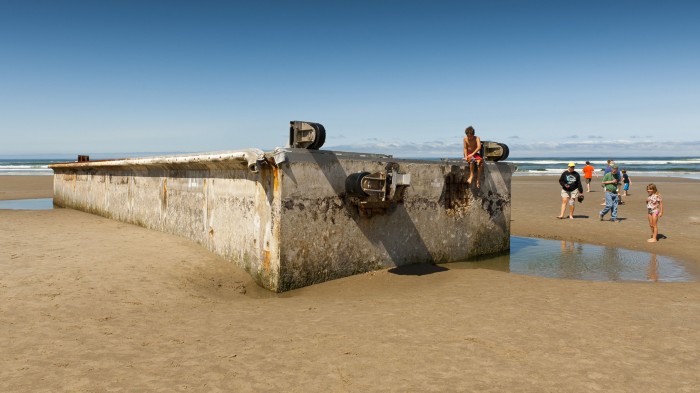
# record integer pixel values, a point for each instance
(91, 304)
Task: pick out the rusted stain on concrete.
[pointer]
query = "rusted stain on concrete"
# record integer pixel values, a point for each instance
(457, 191)
(266, 261)
(164, 195)
(275, 181)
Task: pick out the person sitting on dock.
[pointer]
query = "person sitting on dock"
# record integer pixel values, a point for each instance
(472, 143)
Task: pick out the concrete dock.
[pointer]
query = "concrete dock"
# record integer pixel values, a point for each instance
(295, 217)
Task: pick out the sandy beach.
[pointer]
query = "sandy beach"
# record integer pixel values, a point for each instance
(88, 304)
(25, 187)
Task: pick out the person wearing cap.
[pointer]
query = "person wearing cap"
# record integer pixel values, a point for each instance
(610, 182)
(571, 187)
(608, 169)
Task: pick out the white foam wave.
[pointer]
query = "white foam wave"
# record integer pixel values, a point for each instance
(22, 167)
(557, 172)
(26, 171)
(676, 161)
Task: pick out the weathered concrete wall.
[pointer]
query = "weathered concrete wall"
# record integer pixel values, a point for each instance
(291, 224)
(441, 218)
(221, 205)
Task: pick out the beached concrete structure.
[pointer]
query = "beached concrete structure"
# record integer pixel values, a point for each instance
(294, 217)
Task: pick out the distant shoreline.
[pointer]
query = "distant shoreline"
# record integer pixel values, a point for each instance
(659, 166)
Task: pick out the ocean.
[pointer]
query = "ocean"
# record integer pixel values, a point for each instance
(39, 165)
(28, 166)
(687, 167)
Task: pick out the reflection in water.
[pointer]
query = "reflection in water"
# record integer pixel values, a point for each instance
(572, 260)
(612, 264)
(653, 272)
(569, 254)
(27, 204)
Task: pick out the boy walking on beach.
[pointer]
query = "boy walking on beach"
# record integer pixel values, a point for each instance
(472, 146)
(626, 182)
(588, 172)
(571, 187)
(610, 182)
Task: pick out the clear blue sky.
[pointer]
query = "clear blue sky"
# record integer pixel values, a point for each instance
(561, 78)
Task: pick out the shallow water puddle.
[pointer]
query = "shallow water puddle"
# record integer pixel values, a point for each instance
(27, 204)
(580, 261)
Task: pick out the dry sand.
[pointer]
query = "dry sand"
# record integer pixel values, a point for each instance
(91, 304)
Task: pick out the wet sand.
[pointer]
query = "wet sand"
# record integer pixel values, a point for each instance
(91, 304)
(25, 187)
(536, 203)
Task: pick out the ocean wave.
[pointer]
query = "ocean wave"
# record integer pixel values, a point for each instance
(668, 173)
(26, 171)
(641, 162)
(23, 167)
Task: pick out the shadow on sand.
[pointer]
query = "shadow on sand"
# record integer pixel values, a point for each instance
(417, 270)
